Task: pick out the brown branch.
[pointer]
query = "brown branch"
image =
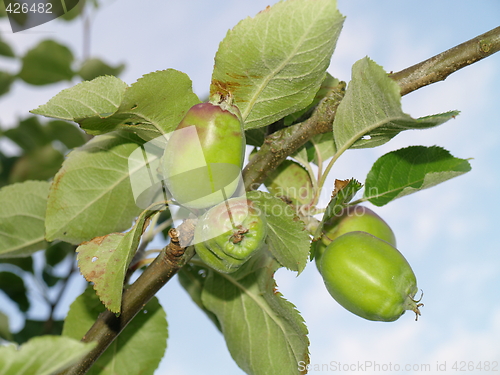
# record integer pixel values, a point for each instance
(439, 67)
(108, 326)
(278, 145)
(285, 142)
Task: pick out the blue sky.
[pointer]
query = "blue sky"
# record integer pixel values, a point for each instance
(447, 233)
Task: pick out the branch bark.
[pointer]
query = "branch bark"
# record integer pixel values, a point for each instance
(439, 67)
(282, 143)
(275, 149)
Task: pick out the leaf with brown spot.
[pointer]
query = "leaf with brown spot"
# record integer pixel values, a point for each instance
(339, 185)
(274, 63)
(97, 262)
(104, 261)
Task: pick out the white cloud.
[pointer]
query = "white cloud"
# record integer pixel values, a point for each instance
(470, 277)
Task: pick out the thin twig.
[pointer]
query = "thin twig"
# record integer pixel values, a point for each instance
(439, 67)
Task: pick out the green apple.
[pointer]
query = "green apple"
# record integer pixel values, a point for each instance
(369, 277)
(352, 218)
(203, 158)
(228, 234)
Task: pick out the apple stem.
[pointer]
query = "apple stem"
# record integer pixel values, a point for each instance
(230, 214)
(414, 305)
(238, 236)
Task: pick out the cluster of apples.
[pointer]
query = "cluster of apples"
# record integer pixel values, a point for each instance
(356, 256)
(202, 170)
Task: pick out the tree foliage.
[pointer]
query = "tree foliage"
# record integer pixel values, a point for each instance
(69, 193)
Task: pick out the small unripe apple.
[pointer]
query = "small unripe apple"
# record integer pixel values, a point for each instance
(353, 218)
(204, 156)
(369, 277)
(228, 234)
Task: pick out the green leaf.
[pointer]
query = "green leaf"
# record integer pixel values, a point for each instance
(67, 133)
(29, 134)
(99, 98)
(25, 264)
(104, 261)
(40, 161)
(6, 50)
(139, 347)
(6, 80)
(3, 12)
(327, 86)
(408, 170)
(304, 154)
(255, 137)
(34, 328)
(156, 103)
(22, 218)
(4, 327)
(74, 8)
(264, 333)
(344, 191)
(152, 106)
(48, 276)
(39, 164)
(49, 62)
(273, 64)
(57, 252)
(291, 181)
(13, 286)
(192, 278)
(324, 147)
(6, 164)
(287, 238)
(93, 68)
(44, 355)
(91, 194)
(370, 113)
